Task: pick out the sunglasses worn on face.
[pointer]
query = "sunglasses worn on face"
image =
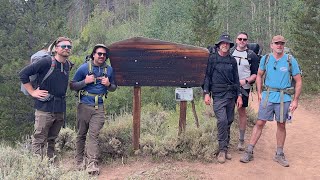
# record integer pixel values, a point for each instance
(65, 46)
(100, 54)
(279, 43)
(244, 39)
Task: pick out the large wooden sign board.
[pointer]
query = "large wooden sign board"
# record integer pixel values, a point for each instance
(149, 62)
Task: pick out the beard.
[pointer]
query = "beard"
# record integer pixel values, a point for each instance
(224, 49)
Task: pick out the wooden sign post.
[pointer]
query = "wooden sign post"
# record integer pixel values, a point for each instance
(142, 61)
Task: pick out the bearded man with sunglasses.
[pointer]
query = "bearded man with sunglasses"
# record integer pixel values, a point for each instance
(50, 102)
(275, 102)
(93, 80)
(248, 63)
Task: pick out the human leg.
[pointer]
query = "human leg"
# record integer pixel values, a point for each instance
(219, 106)
(93, 152)
(82, 126)
(230, 117)
(264, 114)
(53, 133)
(43, 121)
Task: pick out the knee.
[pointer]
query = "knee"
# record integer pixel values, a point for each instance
(281, 126)
(260, 124)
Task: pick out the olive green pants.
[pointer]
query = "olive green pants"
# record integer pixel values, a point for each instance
(46, 129)
(88, 120)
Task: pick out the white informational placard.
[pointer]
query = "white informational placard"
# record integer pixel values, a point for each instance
(184, 94)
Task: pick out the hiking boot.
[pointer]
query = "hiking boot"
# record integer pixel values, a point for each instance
(241, 146)
(228, 155)
(281, 159)
(222, 157)
(247, 157)
(93, 168)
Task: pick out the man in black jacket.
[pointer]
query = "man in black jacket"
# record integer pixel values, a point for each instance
(222, 81)
(50, 103)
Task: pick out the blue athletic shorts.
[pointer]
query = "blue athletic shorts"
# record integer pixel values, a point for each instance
(272, 111)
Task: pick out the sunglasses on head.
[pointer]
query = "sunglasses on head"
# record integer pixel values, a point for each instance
(242, 39)
(100, 54)
(65, 46)
(279, 43)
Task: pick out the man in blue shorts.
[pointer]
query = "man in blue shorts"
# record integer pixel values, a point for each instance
(274, 98)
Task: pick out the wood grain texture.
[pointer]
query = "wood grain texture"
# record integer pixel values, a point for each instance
(149, 62)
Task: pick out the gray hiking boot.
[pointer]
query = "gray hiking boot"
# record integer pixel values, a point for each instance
(93, 168)
(247, 157)
(241, 146)
(221, 157)
(281, 159)
(228, 155)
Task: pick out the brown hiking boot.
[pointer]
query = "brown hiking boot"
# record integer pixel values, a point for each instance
(247, 157)
(228, 155)
(241, 146)
(281, 159)
(222, 157)
(93, 168)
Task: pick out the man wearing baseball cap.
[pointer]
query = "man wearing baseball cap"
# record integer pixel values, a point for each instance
(222, 82)
(274, 97)
(93, 80)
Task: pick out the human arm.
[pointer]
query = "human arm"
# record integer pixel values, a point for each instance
(81, 78)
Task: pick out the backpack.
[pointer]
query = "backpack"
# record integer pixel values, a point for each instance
(80, 93)
(34, 79)
(291, 89)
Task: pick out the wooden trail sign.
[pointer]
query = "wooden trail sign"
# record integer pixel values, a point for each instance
(150, 62)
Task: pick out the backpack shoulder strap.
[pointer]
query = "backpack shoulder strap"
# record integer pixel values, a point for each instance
(90, 70)
(53, 65)
(265, 66)
(290, 63)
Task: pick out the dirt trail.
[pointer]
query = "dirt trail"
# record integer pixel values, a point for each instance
(302, 149)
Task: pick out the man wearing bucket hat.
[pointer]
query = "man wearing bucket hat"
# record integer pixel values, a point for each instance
(93, 80)
(222, 82)
(275, 102)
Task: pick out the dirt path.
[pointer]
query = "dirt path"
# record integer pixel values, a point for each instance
(302, 149)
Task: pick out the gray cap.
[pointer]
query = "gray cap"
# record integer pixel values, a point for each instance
(100, 46)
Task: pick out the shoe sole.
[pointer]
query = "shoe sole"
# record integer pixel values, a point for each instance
(284, 165)
(246, 161)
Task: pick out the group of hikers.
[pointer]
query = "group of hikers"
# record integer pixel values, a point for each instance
(229, 75)
(231, 70)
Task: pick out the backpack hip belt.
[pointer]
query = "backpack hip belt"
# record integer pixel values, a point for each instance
(96, 97)
(289, 91)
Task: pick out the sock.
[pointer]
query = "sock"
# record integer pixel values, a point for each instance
(250, 148)
(279, 150)
(242, 132)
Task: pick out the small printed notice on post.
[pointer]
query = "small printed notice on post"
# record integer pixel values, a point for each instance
(184, 94)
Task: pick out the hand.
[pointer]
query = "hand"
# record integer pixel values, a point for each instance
(39, 94)
(207, 99)
(104, 80)
(293, 106)
(89, 79)
(259, 97)
(239, 102)
(242, 82)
